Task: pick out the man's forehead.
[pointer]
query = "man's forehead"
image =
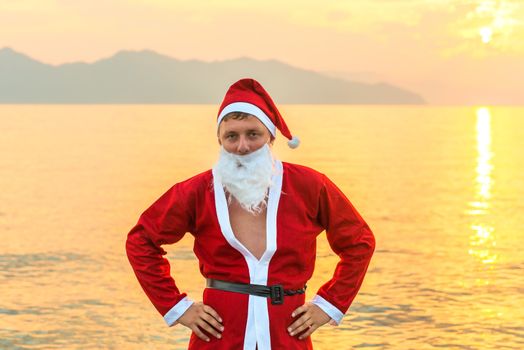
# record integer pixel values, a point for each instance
(249, 121)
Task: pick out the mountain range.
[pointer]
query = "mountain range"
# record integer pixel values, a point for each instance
(147, 77)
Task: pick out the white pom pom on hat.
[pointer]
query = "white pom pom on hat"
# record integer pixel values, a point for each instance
(294, 142)
(248, 96)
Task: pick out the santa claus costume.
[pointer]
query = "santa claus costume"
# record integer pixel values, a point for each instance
(301, 204)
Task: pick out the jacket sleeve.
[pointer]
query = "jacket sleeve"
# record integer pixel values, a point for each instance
(352, 240)
(164, 222)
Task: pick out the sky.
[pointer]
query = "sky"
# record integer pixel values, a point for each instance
(452, 52)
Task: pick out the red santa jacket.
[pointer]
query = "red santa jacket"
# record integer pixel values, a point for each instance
(301, 204)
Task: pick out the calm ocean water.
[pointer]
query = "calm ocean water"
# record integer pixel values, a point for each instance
(442, 188)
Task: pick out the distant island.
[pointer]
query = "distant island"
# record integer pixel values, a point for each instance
(147, 77)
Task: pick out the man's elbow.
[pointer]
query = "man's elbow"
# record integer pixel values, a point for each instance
(371, 241)
(135, 243)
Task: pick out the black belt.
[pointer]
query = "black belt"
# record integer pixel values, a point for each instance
(275, 292)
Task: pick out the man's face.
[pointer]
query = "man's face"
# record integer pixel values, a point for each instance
(243, 136)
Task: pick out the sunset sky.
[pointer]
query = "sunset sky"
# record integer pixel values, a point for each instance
(451, 52)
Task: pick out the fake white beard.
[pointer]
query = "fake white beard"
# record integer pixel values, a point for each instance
(247, 177)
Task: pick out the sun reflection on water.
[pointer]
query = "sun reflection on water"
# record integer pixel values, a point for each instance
(482, 240)
(484, 166)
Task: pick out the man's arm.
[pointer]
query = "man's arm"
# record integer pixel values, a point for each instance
(164, 222)
(352, 240)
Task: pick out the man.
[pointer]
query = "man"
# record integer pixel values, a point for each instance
(255, 221)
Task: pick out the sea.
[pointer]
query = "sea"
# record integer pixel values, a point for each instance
(442, 188)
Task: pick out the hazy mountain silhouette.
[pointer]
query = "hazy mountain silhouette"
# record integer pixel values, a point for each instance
(149, 77)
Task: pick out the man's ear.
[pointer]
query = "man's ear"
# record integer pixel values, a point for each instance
(218, 134)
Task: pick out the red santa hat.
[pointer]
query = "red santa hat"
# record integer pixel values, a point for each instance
(248, 96)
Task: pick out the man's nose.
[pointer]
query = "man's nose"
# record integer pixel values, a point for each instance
(243, 145)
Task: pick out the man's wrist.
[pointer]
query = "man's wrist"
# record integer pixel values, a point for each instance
(335, 314)
(172, 316)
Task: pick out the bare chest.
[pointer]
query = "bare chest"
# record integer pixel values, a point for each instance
(248, 228)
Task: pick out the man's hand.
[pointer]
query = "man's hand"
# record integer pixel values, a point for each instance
(202, 316)
(311, 317)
